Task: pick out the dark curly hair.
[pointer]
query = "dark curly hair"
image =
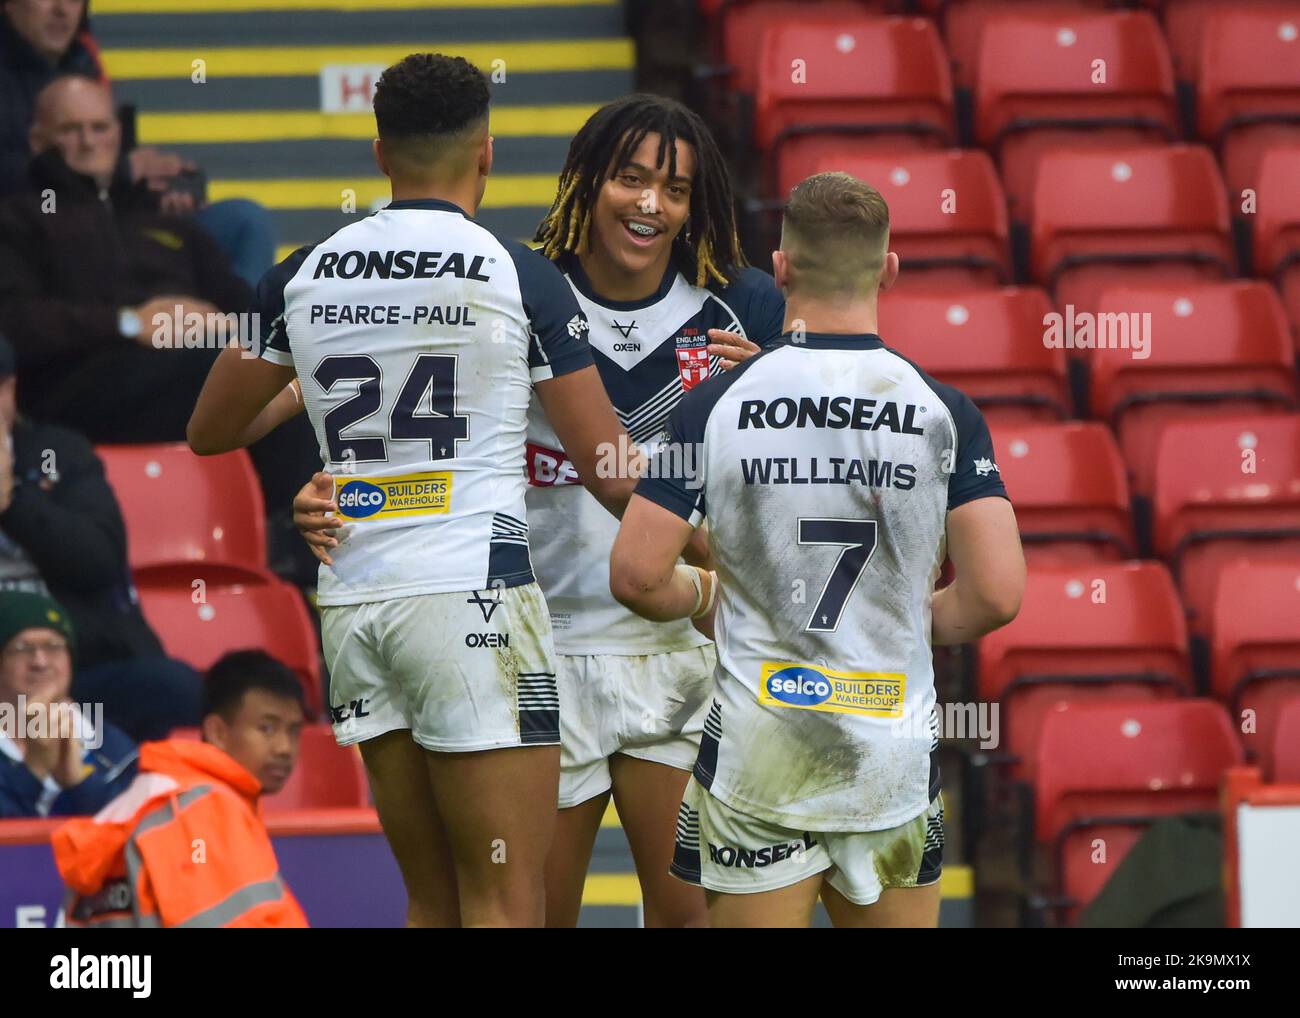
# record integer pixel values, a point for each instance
(428, 94)
(237, 672)
(708, 249)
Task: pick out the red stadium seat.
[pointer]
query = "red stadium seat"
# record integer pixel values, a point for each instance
(1152, 213)
(988, 343)
(232, 610)
(947, 216)
(1249, 89)
(1286, 748)
(880, 79)
(180, 507)
(1185, 28)
(1106, 771)
(1211, 349)
(1067, 484)
(1039, 86)
(1088, 631)
(326, 775)
(1225, 488)
(1255, 646)
(1276, 225)
(740, 27)
(964, 21)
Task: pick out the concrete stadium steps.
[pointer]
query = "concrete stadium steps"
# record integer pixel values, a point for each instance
(256, 125)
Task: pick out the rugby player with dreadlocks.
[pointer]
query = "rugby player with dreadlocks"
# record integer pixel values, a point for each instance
(643, 228)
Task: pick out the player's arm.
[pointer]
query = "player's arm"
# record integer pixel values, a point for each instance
(983, 541)
(984, 545)
(644, 574)
(665, 516)
(578, 409)
(243, 398)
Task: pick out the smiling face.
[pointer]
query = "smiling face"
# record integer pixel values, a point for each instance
(638, 213)
(36, 663)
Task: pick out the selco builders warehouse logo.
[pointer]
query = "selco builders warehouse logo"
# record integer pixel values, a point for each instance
(809, 687)
(362, 498)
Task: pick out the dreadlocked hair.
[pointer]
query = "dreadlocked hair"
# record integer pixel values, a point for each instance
(707, 249)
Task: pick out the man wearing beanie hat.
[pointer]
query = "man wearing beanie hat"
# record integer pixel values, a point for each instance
(61, 533)
(57, 758)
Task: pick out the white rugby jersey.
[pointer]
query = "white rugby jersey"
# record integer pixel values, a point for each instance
(649, 353)
(827, 471)
(417, 334)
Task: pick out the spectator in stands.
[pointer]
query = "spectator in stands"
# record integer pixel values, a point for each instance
(188, 790)
(61, 534)
(40, 39)
(91, 279)
(56, 758)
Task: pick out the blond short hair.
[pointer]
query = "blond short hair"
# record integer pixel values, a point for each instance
(835, 235)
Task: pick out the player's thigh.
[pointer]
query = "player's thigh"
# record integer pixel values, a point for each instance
(576, 828)
(785, 907)
(499, 810)
(408, 812)
(897, 907)
(890, 877)
(648, 796)
(756, 873)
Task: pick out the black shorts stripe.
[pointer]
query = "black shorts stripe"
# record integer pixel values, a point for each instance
(706, 764)
(686, 851)
(537, 698)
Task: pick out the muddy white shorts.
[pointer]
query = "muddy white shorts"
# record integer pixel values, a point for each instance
(724, 850)
(649, 706)
(466, 671)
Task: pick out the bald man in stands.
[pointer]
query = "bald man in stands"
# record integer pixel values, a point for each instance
(99, 290)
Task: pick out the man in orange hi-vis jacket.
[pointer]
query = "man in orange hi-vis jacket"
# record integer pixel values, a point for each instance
(184, 845)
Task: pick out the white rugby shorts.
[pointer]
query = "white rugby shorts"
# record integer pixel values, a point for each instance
(648, 706)
(466, 671)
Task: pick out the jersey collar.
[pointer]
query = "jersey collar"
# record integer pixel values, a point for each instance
(430, 204)
(573, 269)
(835, 340)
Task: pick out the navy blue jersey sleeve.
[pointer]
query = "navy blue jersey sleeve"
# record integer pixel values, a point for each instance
(676, 478)
(268, 305)
(758, 305)
(975, 473)
(558, 344)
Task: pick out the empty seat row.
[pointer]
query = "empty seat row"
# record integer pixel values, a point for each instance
(1106, 631)
(1044, 77)
(1153, 214)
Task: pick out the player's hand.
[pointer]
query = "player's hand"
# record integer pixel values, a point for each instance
(312, 509)
(732, 347)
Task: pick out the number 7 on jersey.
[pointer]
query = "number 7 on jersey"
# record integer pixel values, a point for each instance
(858, 539)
